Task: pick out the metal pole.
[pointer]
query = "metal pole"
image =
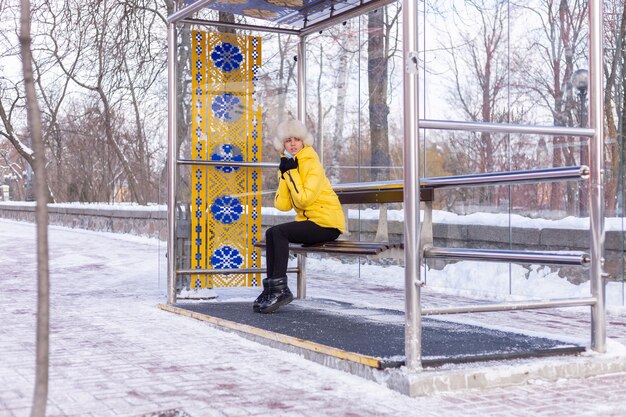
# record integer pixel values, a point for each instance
(501, 255)
(172, 170)
(189, 10)
(596, 194)
(413, 319)
(521, 305)
(504, 128)
(301, 291)
(301, 79)
(301, 64)
(510, 177)
(228, 163)
(582, 100)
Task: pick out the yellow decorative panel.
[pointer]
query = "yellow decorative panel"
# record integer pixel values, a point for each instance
(226, 126)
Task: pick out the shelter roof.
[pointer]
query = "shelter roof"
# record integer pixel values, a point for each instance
(299, 14)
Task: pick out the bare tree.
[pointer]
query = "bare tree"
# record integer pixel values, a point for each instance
(615, 104)
(12, 102)
(77, 172)
(378, 109)
(12, 171)
(100, 68)
(481, 86)
(40, 397)
(323, 108)
(559, 44)
(121, 59)
(347, 49)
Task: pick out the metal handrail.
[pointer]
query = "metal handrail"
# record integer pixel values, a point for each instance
(523, 305)
(543, 175)
(502, 255)
(368, 186)
(489, 178)
(229, 271)
(509, 177)
(227, 163)
(505, 128)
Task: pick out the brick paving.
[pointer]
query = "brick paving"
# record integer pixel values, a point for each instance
(113, 353)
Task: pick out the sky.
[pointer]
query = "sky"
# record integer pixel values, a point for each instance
(109, 337)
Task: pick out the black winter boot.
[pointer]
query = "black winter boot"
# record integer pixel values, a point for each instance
(279, 295)
(257, 303)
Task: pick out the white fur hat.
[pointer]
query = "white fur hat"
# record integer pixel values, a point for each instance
(291, 129)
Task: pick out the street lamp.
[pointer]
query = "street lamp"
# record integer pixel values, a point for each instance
(580, 81)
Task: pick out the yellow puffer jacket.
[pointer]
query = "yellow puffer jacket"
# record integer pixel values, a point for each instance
(308, 191)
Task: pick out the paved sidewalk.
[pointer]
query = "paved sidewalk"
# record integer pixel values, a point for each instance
(115, 354)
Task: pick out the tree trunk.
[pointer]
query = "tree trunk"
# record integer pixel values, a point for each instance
(339, 141)
(377, 75)
(40, 396)
(615, 155)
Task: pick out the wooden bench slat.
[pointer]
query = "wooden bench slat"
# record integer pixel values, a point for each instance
(381, 192)
(341, 247)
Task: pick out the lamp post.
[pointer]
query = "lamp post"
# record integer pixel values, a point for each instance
(580, 81)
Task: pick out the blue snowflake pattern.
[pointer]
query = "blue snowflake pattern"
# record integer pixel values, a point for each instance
(226, 209)
(226, 257)
(227, 57)
(227, 108)
(227, 152)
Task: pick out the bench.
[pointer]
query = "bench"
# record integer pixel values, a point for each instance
(357, 193)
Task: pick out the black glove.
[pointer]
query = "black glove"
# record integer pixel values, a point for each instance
(283, 164)
(287, 163)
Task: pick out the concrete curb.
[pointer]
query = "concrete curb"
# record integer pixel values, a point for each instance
(501, 374)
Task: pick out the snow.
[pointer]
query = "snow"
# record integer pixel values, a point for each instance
(128, 273)
(439, 216)
(99, 206)
(486, 219)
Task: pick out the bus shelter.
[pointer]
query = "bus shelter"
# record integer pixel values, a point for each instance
(230, 99)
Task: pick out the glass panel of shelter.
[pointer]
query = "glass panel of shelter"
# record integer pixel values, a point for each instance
(339, 56)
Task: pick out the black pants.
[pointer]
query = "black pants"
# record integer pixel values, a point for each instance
(279, 236)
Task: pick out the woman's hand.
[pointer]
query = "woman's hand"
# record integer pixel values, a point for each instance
(287, 163)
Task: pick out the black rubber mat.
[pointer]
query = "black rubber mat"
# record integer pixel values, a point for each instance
(442, 341)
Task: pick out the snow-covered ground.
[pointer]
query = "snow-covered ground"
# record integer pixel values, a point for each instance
(115, 354)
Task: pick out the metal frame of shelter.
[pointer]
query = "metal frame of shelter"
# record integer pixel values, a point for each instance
(414, 249)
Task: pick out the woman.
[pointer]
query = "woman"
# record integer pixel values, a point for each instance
(303, 186)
